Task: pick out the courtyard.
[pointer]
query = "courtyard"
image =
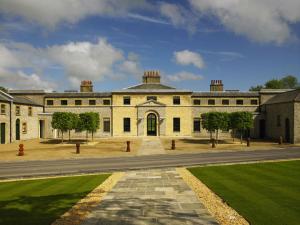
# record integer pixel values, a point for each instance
(53, 149)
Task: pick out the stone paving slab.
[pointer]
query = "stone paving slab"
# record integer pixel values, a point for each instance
(151, 146)
(162, 199)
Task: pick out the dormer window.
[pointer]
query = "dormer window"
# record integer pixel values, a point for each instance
(151, 98)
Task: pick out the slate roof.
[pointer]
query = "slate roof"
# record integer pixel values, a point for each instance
(151, 86)
(78, 94)
(26, 92)
(17, 99)
(225, 94)
(289, 96)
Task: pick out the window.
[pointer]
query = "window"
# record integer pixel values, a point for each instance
(92, 102)
(239, 102)
(29, 111)
(24, 128)
(197, 125)
(197, 102)
(106, 102)
(254, 102)
(176, 100)
(126, 100)
(78, 102)
(211, 102)
(151, 98)
(18, 111)
(225, 101)
(3, 109)
(126, 124)
(64, 102)
(106, 124)
(176, 124)
(278, 121)
(49, 102)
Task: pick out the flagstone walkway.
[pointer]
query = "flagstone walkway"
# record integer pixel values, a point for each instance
(151, 146)
(150, 197)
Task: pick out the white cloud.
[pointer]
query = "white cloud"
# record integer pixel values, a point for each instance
(259, 20)
(147, 19)
(51, 13)
(85, 60)
(187, 57)
(78, 60)
(179, 16)
(183, 76)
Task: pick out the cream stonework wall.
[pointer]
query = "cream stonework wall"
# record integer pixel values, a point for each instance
(284, 110)
(183, 111)
(297, 122)
(5, 118)
(197, 111)
(104, 112)
(31, 121)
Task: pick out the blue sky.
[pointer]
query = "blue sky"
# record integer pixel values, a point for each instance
(53, 45)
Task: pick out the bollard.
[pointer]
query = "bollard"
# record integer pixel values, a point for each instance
(128, 146)
(21, 150)
(280, 141)
(213, 143)
(248, 142)
(77, 148)
(173, 145)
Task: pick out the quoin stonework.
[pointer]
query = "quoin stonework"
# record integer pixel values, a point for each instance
(149, 109)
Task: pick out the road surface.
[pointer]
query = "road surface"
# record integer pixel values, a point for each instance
(92, 165)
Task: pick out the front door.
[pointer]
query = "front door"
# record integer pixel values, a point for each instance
(151, 124)
(287, 130)
(262, 129)
(42, 122)
(17, 129)
(2, 132)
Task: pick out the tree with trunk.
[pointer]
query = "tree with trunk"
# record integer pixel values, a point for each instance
(72, 122)
(88, 122)
(60, 122)
(241, 121)
(215, 121)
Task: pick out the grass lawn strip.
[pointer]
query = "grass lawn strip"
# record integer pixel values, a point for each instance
(81, 209)
(223, 213)
(263, 193)
(42, 201)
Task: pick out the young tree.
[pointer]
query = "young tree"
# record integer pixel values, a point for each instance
(72, 121)
(60, 122)
(241, 121)
(215, 121)
(88, 122)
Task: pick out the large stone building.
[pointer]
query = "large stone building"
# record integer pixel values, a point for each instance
(150, 108)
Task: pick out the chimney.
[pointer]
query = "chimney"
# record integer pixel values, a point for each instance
(216, 85)
(151, 76)
(86, 86)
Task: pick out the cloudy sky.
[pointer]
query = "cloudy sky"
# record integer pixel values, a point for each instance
(53, 45)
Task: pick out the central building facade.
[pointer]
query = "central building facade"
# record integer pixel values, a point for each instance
(149, 109)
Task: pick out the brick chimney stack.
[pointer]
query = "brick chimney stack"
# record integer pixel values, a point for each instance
(216, 85)
(151, 76)
(86, 86)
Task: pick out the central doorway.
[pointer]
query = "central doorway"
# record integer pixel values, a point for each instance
(2, 132)
(18, 129)
(151, 124)
(287, 130)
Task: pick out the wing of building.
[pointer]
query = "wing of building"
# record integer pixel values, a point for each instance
(149, 108)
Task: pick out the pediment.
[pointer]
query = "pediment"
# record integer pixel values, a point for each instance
(151, 103)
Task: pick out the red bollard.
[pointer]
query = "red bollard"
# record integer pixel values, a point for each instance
(128, 146)
(173, 145)
(213, 143)
(21, 150)
(248, 142)
(77, 148)
(280, 141)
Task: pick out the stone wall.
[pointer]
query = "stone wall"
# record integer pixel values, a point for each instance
(297, 122)
(5, 118)
(276, 115)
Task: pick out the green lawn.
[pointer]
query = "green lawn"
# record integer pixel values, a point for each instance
(263, 193)
(42, 201)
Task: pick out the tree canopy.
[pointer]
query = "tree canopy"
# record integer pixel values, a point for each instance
(287, 82)
(241, 121)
